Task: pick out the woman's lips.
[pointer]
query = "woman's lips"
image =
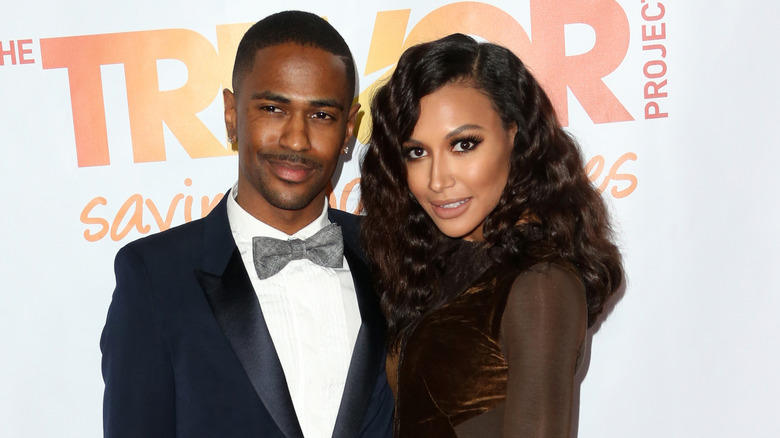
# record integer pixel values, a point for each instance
(450, 208)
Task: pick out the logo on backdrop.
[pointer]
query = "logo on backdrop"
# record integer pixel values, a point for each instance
(209, 70)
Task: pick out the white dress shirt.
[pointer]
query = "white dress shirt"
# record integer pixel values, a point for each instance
(312, 315)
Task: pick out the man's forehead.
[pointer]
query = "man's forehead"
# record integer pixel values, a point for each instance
(297, 72)
(297, 56)
(293, 46)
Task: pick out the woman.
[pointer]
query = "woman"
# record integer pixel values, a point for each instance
(491, 247)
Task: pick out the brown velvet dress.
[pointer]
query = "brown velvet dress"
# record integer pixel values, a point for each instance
(498, 359)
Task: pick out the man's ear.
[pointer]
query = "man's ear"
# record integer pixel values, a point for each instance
(352, 117)
(230, 117)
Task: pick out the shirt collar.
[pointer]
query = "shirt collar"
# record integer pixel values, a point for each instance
(246, 225)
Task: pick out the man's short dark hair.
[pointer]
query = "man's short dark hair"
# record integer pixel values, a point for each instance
(303, 28)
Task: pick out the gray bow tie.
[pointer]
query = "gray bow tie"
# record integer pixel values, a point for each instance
(325, 248)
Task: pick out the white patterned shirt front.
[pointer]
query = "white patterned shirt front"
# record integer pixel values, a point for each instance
(312, 315)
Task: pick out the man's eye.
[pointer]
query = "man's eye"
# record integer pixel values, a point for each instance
(270, 109)
(322, 115)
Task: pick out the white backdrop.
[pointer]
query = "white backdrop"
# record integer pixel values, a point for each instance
(111, 128)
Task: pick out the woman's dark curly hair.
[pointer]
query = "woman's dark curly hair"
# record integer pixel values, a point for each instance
(549, 210)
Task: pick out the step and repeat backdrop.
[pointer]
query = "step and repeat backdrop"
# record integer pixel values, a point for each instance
(111, 129)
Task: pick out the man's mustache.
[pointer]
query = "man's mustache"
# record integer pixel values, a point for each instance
(292, 159)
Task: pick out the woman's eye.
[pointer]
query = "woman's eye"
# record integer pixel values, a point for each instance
(415, 153)
(464, 145)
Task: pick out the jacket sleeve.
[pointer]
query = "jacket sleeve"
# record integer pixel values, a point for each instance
(543, 331)
(139, 386)
(378, 422)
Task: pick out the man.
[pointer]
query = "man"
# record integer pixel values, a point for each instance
(212, 330)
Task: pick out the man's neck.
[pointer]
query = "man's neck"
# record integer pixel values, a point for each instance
(286, 221)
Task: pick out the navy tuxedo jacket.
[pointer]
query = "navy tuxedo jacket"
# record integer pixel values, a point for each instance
(187, 353)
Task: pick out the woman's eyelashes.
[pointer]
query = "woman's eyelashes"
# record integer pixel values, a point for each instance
(459, 145)
(414, 152)
(465, 144)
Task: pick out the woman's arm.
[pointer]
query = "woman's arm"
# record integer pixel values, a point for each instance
(543, 331)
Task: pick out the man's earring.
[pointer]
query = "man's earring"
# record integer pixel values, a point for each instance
(232, 142)
(345, 151)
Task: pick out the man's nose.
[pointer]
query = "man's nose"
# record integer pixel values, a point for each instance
(295, 133)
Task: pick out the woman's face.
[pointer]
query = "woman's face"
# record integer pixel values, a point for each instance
(457, 159)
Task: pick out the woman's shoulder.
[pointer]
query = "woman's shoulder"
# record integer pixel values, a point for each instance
(548, 276)
(546, 300)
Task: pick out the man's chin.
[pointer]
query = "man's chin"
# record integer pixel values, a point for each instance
(292, 202)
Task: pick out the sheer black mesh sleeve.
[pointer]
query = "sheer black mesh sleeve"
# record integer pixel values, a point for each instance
(543, 331)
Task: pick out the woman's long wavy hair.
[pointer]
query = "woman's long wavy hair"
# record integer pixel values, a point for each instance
(549, 210)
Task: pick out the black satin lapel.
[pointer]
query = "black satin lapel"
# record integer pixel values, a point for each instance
(367, 355)
(235, 306)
